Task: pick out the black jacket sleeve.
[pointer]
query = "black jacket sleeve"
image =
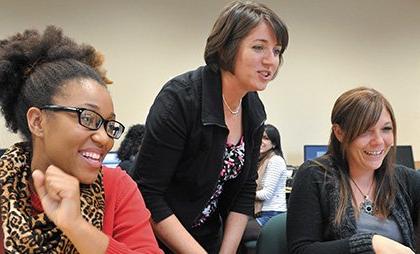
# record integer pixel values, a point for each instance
(307, 219)
(162, 148)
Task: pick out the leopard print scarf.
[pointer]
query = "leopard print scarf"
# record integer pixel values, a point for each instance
(24, 230)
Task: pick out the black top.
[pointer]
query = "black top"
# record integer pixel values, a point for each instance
(127, 166)
(183, 148)
(313, 204)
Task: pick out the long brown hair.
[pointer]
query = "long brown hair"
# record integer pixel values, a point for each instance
(355, 111)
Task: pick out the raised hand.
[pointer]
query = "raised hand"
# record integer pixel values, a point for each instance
(60, 196)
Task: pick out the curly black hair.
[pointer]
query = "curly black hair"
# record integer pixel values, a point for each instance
(131, 143)
(33, 68)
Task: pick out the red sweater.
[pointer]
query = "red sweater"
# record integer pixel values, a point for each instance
(126, 219)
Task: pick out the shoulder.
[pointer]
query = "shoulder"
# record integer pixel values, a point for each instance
(403, 171)
(180, 91)
(192, 76)
(407, 177)
(185, 81)
(319, 169)
(277, 160)
(113, 178)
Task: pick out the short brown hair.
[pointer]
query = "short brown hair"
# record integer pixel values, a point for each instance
(234, 23)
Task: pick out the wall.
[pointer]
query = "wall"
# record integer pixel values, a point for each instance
(335, 45)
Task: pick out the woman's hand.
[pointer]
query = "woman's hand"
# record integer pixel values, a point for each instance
(60, 196)
(384, 245)
(59, 193)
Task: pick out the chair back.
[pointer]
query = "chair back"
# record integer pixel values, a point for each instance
(272, 239)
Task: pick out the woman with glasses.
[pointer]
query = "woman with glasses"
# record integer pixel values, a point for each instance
(55, 195)
(197, 164)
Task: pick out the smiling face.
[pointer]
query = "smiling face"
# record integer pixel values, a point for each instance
(266, 144)
(68, 145)
(369, 149)
(257, 59)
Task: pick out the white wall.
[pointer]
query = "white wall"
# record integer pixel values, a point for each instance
(335, 45)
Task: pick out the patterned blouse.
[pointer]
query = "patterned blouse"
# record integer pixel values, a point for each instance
(232, 164)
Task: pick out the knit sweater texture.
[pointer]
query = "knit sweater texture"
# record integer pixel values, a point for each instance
(313, 205)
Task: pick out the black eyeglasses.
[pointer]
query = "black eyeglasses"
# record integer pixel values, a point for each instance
(91, 120)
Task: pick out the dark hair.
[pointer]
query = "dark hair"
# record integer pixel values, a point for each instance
(234, 23)
(131, 143)
(355, 111)
(34, 67)
(274, 136)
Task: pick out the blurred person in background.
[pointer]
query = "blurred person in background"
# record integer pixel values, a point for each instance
(272, 176)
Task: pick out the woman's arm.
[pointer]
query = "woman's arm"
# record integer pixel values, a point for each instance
(167, 132)
(414, 190)
(243, 205)
(245, 199)
(305, 222)
(162, 148)
(233, 230)
(176, 237)
(126, 226)
(417, 210)
(384, 245)
(275, 171)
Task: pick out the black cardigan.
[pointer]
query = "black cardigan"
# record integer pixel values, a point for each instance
(313, 203)
(183, 148)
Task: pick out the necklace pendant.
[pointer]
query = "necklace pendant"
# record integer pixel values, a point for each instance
(367, 206)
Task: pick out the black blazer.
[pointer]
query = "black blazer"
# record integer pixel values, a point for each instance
(183, 149)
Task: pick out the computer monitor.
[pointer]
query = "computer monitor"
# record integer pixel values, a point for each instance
(313, 151)
(111, 160)
(405, 156)
(2, 151)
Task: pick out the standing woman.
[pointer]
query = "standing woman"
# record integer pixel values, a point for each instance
(197, 164)
(55, 196)
(272, 176)
(355, 199)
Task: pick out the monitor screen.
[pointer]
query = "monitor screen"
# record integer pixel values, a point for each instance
(405, 156)
(2, 151)
(313, 151)
(111, 160)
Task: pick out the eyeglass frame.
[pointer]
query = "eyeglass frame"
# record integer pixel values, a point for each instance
(79, 111)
